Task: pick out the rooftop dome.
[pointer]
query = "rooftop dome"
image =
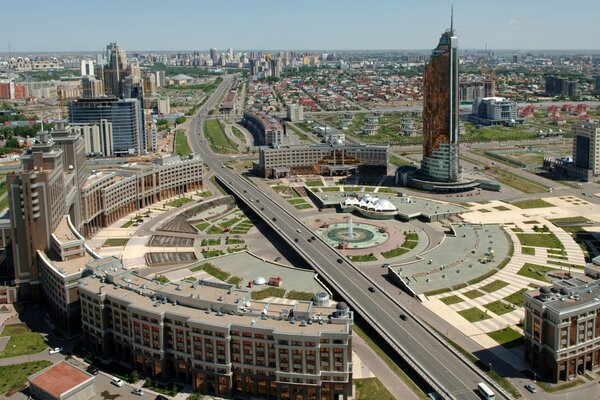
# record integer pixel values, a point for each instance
(341, 306)
(260, 280)
(545, 290)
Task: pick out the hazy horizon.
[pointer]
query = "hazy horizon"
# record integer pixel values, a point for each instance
(385, 25)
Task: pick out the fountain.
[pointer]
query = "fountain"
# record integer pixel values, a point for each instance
(350, 228)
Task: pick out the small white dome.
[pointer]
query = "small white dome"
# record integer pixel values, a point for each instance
(260, 280)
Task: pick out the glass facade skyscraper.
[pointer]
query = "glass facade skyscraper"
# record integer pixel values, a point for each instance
(125, 116)
(440, 112)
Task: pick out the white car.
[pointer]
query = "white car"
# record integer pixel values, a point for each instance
(117, 382)
(298, 230)
(138, 392)
(55, 350)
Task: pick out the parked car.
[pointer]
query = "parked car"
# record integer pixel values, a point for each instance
(531, 388)
(55, 350)
(117, 382)
(138, 391)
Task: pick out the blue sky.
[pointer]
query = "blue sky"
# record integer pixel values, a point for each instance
(80, 25)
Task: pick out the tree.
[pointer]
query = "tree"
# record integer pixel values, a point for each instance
(12, 142)
(180, 120)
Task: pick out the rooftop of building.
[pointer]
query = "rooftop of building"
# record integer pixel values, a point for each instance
(64, 232)
(59, 378)
(326, 145)
(568, 294)
(206, 302)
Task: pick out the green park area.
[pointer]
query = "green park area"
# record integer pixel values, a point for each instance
(548, 240)
(371, 389)
(451, 300)
(13, 377)
(115, 242)
(179, 202)
(537, 272)
(507, 337)
(22, 341)
(499, 308)
(182, 147)
(216, 137)
(493, 286)
(533, 203)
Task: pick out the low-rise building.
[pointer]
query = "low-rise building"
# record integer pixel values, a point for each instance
(62, 381)
(332, 159)
(212, 336)
(494, 111)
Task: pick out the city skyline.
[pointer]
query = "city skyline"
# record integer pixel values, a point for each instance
(333, 25)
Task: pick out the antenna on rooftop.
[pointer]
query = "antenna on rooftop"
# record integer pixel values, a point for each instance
(452, 19)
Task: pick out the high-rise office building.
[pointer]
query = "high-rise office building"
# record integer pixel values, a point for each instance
(214, 56)
(253, 66)
(40, 194)
(92, 87)
(116, 69)
(440, 112)
(125, 116)
(87, 68)
(276, 68)
(597, 85)
(559, 86)
(586, 139)
(97, 138)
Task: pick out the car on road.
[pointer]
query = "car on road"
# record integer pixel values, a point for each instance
(403, 317)
(296, 240)
(339, 260)
(55, 350)
(117, 382)
(138, 391)
(92, 370)
(313, 238)
(298, 230)
(531, 388)
(274, 219)
(371, 289)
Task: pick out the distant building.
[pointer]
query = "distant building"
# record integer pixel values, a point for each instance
(160, 78)
(116, 70)
(276, 68)
(494, 111)
(559, 86)
(124, 114)
(295, 112)
(597, 85)
(92, 87)
(9, 90)
(326, 159)
(586, 143)
(87, 68)
(97, 138)
(163, 105)
(214, 56)
(62, 381)
(266, 129)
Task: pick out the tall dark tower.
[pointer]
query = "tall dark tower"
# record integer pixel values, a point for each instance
(440, 112)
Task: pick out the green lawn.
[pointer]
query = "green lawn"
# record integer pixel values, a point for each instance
(451, 300)
(179, 202)
(548, 240)
(296, 295)
(127, 224)
(493, 286)
(535, 271)
(330, 189)
(217, 272)
(302, 206)
(235, 280)
(530, 251)
(371, 389)
(267, 292)
(12, 376)
(574, 220)
(22, 341)
(517, 298)
(182, 146)
(212, 253)
(161, 279)
(363, 258)
(314, 183)
(210, 242)
(238, 134)
(502, 208)
(473, 294)
(474, 314)
(516, 181)
(215, 230)
(202, 226)
(216, 137)
(398, 162)
(507, 337)
(230, 222)
(498, 307)
(533, 203)
(297, 200)
(234, 241)
(398, 251)
(115, 242)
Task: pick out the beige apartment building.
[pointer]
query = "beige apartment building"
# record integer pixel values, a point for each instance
(562, 328)
(213, 336)
(327, 159)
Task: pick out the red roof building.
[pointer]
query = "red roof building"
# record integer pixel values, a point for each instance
(62, 381)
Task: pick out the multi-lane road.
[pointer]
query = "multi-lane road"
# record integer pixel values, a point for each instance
(444, 369)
